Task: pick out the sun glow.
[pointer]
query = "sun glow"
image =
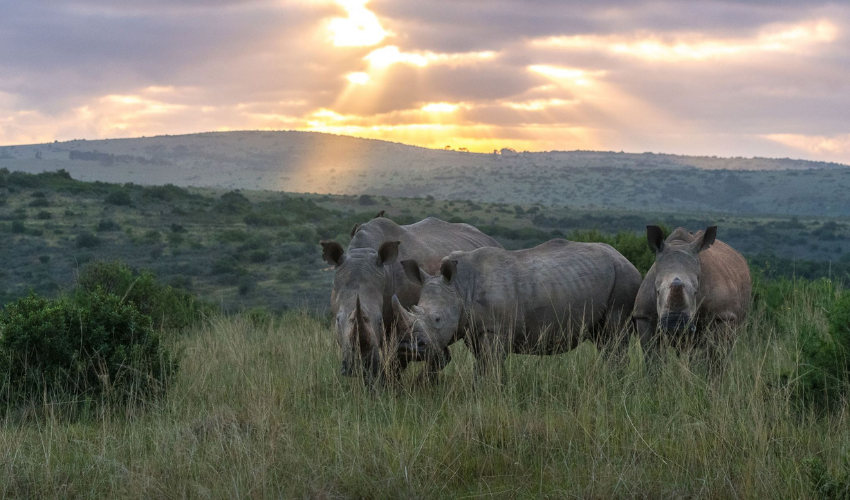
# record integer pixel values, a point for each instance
(360, 29)
(577, 76)
(389, 55)
(358, 78)
(439, 107)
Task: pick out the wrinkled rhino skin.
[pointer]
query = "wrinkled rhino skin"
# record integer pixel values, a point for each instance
(542, 300)
(368, 274)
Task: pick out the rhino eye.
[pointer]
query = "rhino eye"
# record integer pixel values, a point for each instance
(437, 319)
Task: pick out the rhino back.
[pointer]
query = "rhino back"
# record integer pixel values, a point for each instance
(726, 285)
(554, 283)
(426, 241)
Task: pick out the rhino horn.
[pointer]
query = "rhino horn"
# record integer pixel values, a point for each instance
(360, 326)
(405, 319)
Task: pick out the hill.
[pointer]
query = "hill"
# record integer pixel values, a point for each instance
(310, 162)
(260, 248)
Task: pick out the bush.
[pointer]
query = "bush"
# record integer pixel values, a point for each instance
(366, 200)
(825, 357)
(94, 345)
(233, 203)
(18, 227)
(44, 215)
(107, 225)
(119, 197)
(168, 307)
(87, 240)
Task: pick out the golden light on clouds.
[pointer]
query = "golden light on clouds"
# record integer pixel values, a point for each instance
(360, 29)
(389, 55)
(539, 104)
(439, 107)
(358, 78)
(572, 75)
(834, 146)
(694, 47)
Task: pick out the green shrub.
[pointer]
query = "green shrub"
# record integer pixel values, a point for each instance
(233, 203)
(18, 227)
(90, 346)
(44, 215)
(39, 202)
(167, 306)
(825, 356)
(87, 240)
(119, 197)
(107, 225)
(168, 192)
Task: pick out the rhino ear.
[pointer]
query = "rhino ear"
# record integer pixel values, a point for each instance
(388, 253)
(413, 272)
(332, 252)
(380, 214)
(709, 236)
(655, 238)
(354, 229)
(449, 270)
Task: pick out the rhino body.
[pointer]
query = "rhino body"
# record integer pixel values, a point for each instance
(542, 300)
(697, 284)
(368, 274)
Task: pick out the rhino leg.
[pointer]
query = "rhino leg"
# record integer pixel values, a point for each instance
(720, 341)
(647, 331)
(434, 364)
(490, 353)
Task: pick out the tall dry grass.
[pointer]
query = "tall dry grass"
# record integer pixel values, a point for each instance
(260, 411)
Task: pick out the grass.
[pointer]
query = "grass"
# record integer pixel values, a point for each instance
(258, 410)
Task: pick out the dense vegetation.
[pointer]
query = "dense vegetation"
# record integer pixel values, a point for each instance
(257, 408)
(247, 249)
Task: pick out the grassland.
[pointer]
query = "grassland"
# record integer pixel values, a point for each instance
(251, 249)
(258, 411)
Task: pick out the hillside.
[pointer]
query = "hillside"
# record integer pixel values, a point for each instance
(321, 163)
(260, 248)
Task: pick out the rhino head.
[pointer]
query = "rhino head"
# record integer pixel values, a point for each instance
(428, 328)
(357, 303)
(677, 275)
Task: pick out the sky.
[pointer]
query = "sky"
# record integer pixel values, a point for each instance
(707, 77)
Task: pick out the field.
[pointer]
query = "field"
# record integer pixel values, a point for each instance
(259, 411)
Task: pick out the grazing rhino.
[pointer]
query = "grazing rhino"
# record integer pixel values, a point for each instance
(368, 275)
(697, 281)
(542, 300)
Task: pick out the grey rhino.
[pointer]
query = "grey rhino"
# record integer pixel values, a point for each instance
(542, 300)
(697, 281)
(368, 275)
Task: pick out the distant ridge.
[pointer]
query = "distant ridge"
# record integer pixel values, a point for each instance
(324, 163)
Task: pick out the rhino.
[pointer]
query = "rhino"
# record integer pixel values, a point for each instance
(369, 274)
(542, 300)
(696, 283)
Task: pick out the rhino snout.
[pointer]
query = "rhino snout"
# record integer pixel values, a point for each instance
(677, 322)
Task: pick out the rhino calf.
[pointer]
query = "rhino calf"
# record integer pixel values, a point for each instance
(696, 282)
(542, 300)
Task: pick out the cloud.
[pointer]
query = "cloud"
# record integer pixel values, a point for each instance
(684, 76)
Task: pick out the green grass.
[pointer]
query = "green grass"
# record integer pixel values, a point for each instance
(258, 410)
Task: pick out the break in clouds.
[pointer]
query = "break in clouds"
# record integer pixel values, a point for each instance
(694, 77)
